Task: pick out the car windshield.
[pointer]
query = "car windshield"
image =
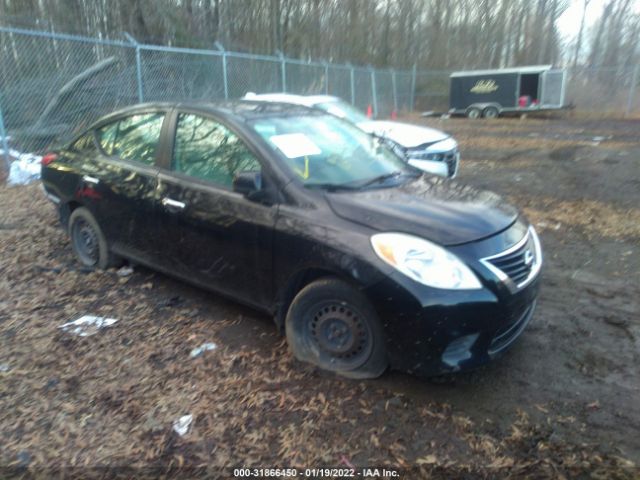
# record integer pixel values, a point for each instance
(344, 110)
(325, 151)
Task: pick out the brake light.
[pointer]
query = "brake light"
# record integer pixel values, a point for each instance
(48, 158)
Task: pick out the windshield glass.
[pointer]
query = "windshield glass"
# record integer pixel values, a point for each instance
(344, 110)
(323, 150)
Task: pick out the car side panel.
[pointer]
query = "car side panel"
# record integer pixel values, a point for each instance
(125, 203)
(61, 180)
(311, 238)
(219, 238)
(118, 194)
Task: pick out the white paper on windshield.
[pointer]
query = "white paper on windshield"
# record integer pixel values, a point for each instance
(295, 145)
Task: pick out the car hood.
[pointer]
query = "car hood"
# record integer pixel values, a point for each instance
(445, 212)
(404, 134)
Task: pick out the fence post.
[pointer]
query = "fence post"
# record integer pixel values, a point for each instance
(352, 80)
(138, 66)
(283, 71)
(395, 91)
(225, 82)
(374, 93)
(326, 78)
(632, 89)
(5, 142)
(413, 87)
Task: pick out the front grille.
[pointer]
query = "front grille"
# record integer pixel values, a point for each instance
(516, 265)
(520, 263)
(452, 162)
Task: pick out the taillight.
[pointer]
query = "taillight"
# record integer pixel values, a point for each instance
(48, 158)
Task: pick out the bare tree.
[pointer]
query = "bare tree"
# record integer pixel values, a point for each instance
(576, 55)
(432, 34)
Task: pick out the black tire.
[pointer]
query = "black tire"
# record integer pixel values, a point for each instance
(474, 113)
(88, 242)
(332, 325)
(491, 112)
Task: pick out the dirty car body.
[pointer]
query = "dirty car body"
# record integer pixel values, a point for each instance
(261, 230)
(425, 148)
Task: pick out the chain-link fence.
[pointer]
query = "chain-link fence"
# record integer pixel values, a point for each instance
(52, 84)
(605, 89)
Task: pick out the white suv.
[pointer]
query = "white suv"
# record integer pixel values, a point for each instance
(425, 148)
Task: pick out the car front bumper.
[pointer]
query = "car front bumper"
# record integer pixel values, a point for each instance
(433, 332)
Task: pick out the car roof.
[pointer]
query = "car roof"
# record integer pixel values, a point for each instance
(496, 71)
(307, 100)
(241, 109)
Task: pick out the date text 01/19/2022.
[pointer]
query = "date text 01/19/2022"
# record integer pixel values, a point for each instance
(316, 473)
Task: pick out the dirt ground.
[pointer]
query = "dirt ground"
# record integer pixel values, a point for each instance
(564, 402)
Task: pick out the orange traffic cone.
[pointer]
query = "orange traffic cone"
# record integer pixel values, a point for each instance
(369, 111)
(394, 115)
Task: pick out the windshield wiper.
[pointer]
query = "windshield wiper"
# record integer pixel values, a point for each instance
(381, 178)
(359, 185)
(332, 187)
(384, 177)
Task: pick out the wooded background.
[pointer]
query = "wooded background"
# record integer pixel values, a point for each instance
(431, 34)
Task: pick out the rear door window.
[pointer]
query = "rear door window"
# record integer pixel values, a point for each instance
(137, 137)
(133, 138)
(85, 144)
(206, 149)
(106, 135)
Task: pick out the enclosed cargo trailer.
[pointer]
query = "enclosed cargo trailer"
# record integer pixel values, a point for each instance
(488, 93)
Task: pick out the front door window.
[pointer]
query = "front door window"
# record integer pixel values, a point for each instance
(207, 150)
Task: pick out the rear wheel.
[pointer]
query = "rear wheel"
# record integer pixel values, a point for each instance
(490, 112)
(88, 242)
(473, 113)
(332, 325)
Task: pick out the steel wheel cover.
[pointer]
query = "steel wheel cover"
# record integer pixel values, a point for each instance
(86, 242)
(340, 334)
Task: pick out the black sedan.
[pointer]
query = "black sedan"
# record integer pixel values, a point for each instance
(364, 261)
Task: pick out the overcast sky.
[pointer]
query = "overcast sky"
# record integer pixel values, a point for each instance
(569, 22)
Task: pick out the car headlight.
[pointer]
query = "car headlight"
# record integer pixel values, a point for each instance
(424, 262)
(445, 145)
(436, 152)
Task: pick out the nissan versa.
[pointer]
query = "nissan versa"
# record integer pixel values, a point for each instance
(363, 260)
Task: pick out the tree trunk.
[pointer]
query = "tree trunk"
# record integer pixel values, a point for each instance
(576, 55)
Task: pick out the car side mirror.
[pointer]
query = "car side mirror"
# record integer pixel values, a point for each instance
(247, 183)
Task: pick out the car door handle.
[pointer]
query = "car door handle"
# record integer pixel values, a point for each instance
(88, 179)
(172, 204)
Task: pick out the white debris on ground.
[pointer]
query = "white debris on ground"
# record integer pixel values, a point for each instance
(4, 367)
(546, 226)
(595, 141)
(87, 325)
(125, 271)
(24, 169)
(196, 352)
(181, 426)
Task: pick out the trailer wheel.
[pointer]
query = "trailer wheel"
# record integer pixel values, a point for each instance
(490, 112)
(473, 113)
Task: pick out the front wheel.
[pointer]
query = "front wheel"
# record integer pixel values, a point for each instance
(88, 242)
(332, 325)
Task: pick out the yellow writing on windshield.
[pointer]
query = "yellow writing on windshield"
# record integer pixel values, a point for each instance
(303, 173)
